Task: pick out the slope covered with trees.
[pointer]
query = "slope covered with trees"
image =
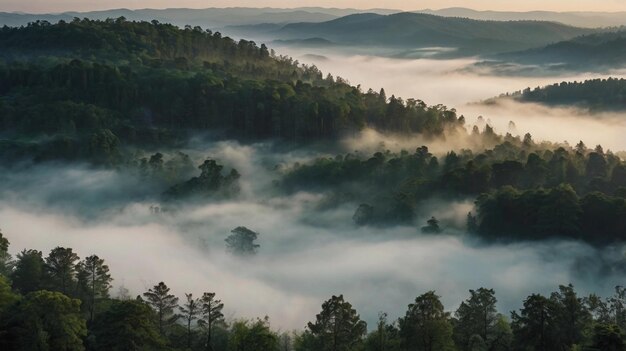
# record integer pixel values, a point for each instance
(87, 89)
(522, 190)
(417, 30)
(593, 94)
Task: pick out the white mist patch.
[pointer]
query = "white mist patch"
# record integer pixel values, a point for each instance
(447, 82)
(557, 124)
(306, 254)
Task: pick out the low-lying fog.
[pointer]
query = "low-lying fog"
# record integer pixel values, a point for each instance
(456, 83)
(306, 255)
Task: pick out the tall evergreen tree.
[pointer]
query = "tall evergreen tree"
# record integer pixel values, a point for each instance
(211, 315)
(94, 281)
(61, 268)
(338, 327)
(164, 304)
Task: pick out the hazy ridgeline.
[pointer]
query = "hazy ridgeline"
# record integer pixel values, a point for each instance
(151, 144)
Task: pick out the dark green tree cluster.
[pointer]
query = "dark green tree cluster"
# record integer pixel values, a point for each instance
(595, 94)
(62, 303)
(98, 87)
(523, 190)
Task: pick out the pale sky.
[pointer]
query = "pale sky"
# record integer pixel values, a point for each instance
(39, 6)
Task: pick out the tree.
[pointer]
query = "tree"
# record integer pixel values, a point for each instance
(61, 268)
(426, 327)
(164, 304)
(7, 297)
(29, 273)
(126, 325)
(571, 316)
(338, 327)
(241, 241)
(607, 337)
(95, 282)
(45, 320)
(386, 337)
(5, 257)
(534, 327)
(476, 316)
(190, 311)
(211, 315)
(432, 226)
(252, 335)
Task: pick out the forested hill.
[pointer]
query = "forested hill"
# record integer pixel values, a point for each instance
(91, 87)
(414, 30)
(588, 52)
(594, 94)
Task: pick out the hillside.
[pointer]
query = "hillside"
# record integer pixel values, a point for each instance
(594, 52)
(594, 94)
(577, 19)
(413, 30)
(214, 18)
(88, 88)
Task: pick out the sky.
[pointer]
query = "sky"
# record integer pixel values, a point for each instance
(40, 6)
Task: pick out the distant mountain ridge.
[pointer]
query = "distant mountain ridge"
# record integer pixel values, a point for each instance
(408, 30)
(577, 19)
(593, 51)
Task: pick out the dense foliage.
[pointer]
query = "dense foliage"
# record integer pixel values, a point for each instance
(523, 190)
(594, 94)
(88, 89)
(46, 318)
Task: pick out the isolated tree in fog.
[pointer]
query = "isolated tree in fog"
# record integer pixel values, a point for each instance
(241, 241)
(426, 327)
(338, 327)
(164, 304)
(190, 311)
(211, 310)
(61, 268)
(94, 282)
(432, 226)
(476, 316)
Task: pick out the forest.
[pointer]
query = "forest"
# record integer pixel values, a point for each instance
(63, 302)
(84, 90)
(593, 94)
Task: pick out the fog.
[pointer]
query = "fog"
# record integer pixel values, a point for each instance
(309, 252)
(306, 254)
(456, 84)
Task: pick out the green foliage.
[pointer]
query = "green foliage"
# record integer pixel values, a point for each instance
(241, 241)
(5, 257)
(252, 335)
(211, 182)
(426, 327)
(106, 85)
(45, 320)
(211, 310)
(126, 325)
(477, 316)
(93, 282)
(338, 327)
(61, 268)
(29, 274)
(607, 337)
(164, 304)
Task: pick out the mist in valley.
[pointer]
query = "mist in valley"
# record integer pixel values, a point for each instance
(307, 253)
